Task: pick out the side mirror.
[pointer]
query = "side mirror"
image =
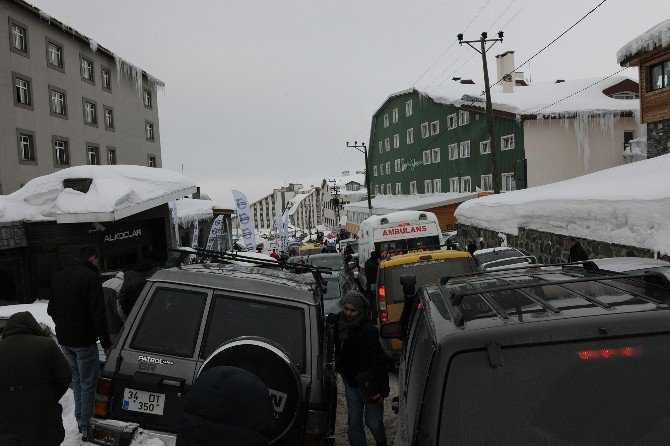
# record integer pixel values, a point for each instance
(392, 330)
(408, 282)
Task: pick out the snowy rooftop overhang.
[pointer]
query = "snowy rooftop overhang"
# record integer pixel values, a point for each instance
(384, 204)
(190, 210)
(656, 37)
(627, 205)
(115, 192)
(296, 200)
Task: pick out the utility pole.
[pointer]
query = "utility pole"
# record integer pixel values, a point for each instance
(367, 170)
(335, 202)
(489, 107)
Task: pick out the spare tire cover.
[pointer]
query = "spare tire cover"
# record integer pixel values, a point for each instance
(273, 366)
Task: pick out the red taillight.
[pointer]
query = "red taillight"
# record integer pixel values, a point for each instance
(419, 305)
(383, 317)
(102, 393)
(381, 297)
(608, 353)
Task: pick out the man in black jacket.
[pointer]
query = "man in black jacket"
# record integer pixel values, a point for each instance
(134, 280)
(34, 376)
(371, 267)
(361, 363)
(77, 308)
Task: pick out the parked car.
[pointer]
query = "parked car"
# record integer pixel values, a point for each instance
(492, 258)
(537, 356)
(337, 285)
(267, 321)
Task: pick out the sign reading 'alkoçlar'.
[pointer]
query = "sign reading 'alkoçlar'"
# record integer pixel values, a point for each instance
(123, 235)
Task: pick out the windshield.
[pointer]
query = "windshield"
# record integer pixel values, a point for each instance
(612, 392)
(405, 246)
(332, 261)
(425, 272)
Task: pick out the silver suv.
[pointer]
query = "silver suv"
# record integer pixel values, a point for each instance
(267, 321)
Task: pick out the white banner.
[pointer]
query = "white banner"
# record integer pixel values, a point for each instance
(215, 233)
(246, 221)
(175, 221)
(194, 241)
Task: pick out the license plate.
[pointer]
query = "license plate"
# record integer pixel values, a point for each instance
(141, 401)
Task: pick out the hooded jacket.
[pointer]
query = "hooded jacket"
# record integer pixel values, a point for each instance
(31, 387)
(226, 406)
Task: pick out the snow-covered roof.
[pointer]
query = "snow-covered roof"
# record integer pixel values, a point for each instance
(384, 204)
(115, 192)
(658, 36)
(627, 205)
(297, 199)
(189, 210)
(341, 182)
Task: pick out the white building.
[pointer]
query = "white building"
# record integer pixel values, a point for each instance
(304, 212)
(348, 188)
(264, 208)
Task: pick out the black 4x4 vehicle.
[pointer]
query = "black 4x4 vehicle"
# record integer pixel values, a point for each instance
(555, 355)
(267, 321)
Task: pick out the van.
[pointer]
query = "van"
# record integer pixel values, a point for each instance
(397, 233)
(426, 267)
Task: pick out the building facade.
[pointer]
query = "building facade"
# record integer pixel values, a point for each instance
(304, 210)
(65, 100)
(264, 208)
(338, 192)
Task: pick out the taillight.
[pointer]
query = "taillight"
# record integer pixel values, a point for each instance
(102, 394)
(381, 297)
(608, 353)
(383, 317)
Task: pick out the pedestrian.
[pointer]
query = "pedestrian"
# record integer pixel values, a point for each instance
(77, 308)
(274, 254)
(577, 253)
(34, 375)
(371, 266)
(226, 405)
(110, 292)
(134, 279)
(472, 247)
(360, 361)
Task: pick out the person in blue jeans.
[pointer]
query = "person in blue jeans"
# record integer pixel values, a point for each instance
(361, 362)
(77, 308)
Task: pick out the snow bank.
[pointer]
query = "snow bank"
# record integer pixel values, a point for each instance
(627, 205)
(189, 210)
(391, 203)
(38, 309)
(656, 37)
(113, 188)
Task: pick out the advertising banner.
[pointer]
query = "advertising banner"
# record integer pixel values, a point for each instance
(246, 220)
(194, 241)
(175, 221)
(215, 233)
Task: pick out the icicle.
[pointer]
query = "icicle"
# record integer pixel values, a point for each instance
(135, 73)
(46, 17)
(93, 44)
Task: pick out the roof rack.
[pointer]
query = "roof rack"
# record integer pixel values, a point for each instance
(445, 279)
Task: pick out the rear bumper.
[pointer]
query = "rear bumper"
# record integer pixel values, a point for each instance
(122, 433)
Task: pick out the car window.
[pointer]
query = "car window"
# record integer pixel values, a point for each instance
(171, 322)
(425, 272)
(498, 255)
(561, 394)
(404, 246)
(333, 290)
(230, 318)
(422, 351)
(334, 261)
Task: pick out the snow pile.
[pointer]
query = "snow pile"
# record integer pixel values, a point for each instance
(627, 205)
(389, 203)
(658, 36)
(113, 188)
(189, 210)
(38, 309)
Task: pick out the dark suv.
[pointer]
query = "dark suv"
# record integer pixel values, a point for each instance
(267, 321)
(538, 356)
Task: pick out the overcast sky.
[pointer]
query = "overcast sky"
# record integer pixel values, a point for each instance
(262, 93)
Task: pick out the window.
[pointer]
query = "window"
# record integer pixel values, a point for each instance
(27, 146)
(109, 118)
(659, 76)
(149, 127)
(376, 189)
(57, 101)
(54, 55)
(396, 141)
(508, 183)
(86, 69)
(61, 152)
(437, 186)
(408, 108)
(147, 99)
(507, 142)
(426, 157)
(19, 38)
(388, 167)
(424, 130)
(388, 189)
(386, 120)
(387, 144)
(381, 169)
(22, 91)
(628, 135)
(412, 187)
(427, 187)
(451, 122)
(465, 149)
(410, 136)
(111, 156)
(397, 165)
(435, 127)
(463, 117)
(398, 188)
(374, 170)
(395, 115)
(93, 155)
(152, 163)
(436, 155)
(485, 147)
(381, 147)
(453, 151)
(107, 80)
(465, 184)
(487, 183)
(453, 185)
(90, 115)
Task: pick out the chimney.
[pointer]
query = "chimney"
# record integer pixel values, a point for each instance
(505, 66)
